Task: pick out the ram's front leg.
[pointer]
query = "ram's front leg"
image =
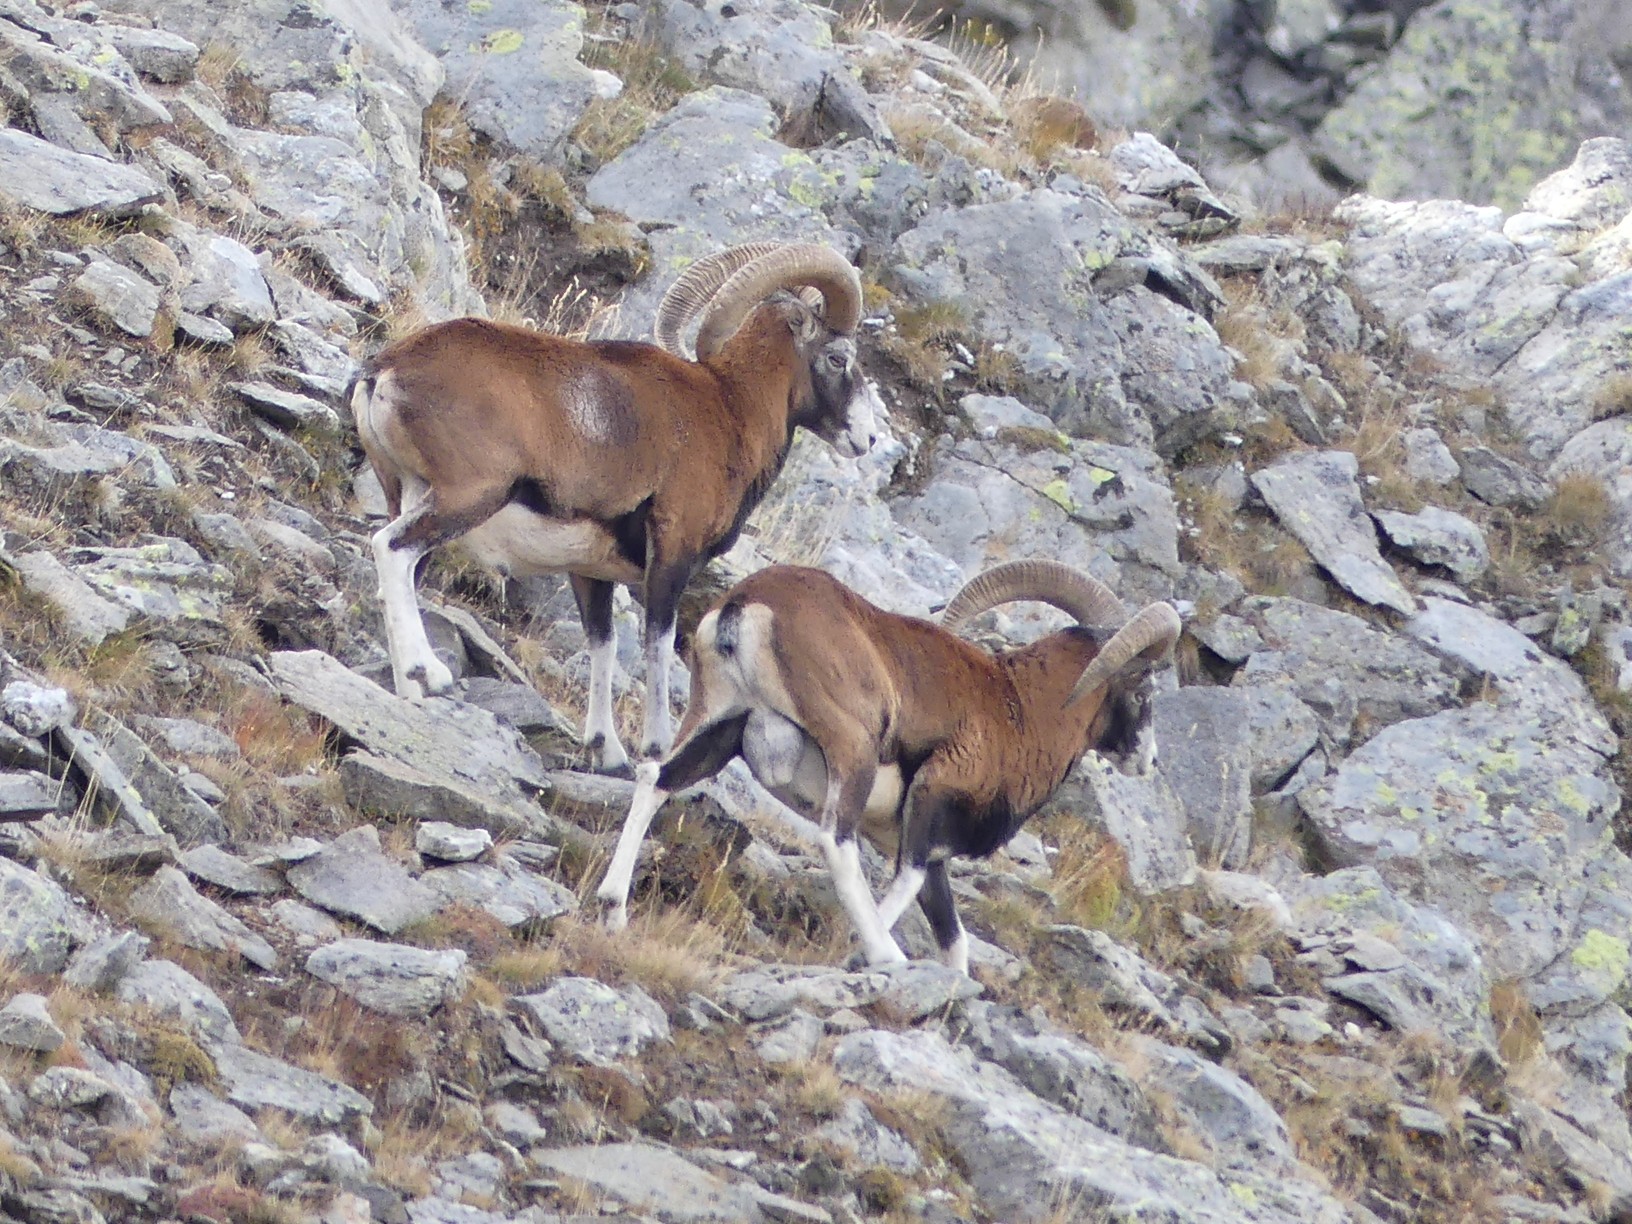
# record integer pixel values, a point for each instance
(594, 598)
(664, 583)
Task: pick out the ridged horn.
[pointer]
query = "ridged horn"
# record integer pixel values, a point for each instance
(1150, 635)
(786, 267)
(689, 296)
(1073, 592)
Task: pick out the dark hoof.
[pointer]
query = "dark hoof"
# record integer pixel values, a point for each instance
(626, 770)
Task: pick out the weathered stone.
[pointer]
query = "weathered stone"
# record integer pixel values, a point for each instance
(28, 796)
(215, 866)
(81, 610)
(26, 1024)
(201, 1117)
(39, 175)
(38, 922)
(869, 1143)
(596, 1023)
(170, 907)
(176, 808)
(1343, 668)
(156, 54)
(1203, 746)
(507, 890)
(461, 748)
(115, 295)
(1439, 537)
(450, 843)
(1242, 1129)
(350, 876)
(287, 409)
(1063, 1070)
(655, 1181)
(36, 709)
(515, 62)
(102, 964)
(789, 1038)
(774, 990)
(169, 990)
(386, 786)
(1021, 1153)
(1316, 498)
(391, 978)
(256, 1081)
(1141, 814)
(924, 988)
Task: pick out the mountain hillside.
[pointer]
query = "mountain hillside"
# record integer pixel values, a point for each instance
(279, 946)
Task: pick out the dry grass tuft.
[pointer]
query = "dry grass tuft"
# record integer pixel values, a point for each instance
(1578, 513)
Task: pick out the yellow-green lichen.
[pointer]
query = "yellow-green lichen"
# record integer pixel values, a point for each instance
(501, 42)
(1058, 492)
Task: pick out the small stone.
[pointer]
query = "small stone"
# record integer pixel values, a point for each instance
(115, 295)
(36, 709)
(791, 1039)
(439, 840)
(596, 1023)
(26, 1024)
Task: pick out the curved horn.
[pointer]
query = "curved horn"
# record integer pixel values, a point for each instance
(784, 268)
(689, 296)
(1148, 635)
(1073, 592)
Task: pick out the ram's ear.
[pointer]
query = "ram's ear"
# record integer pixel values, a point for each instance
(804, 319)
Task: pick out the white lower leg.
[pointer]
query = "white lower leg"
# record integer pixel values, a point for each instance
(598, 725)
(413, 663)
(956, 954)
(844, 861)
(902, 892)
(613, 893)
(659, 732)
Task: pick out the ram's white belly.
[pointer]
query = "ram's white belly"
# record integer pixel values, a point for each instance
(517, 542)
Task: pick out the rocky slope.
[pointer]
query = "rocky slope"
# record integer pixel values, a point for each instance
(1309, 99)
(275, 945)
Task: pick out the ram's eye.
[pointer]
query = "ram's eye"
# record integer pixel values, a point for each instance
(837, 361)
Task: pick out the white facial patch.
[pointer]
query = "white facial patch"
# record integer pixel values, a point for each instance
(861, 420)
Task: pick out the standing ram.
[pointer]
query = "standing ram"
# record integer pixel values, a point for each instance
(887, 725)
(612, 461)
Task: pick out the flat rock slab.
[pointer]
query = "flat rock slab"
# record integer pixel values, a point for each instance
(595, 1022)
(656, 1181)
(170, 907)
(1343, 668)
(1490, 814)
(350, 876)
(395, 979)
(37, 174)
(257, 1081)
(83, 612)
(1204, 747)
(226, 871)
(28, 795)
(384, 786)
(508, 891)
(1022, 1155)
(438, 839)
(775, 990)
(1317, 499)
(458, 745)
(169, 990)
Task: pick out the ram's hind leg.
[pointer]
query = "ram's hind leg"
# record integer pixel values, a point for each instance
(935, 899)
(595, 611)
(850, 777)
(430, 520)
(699, 755)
